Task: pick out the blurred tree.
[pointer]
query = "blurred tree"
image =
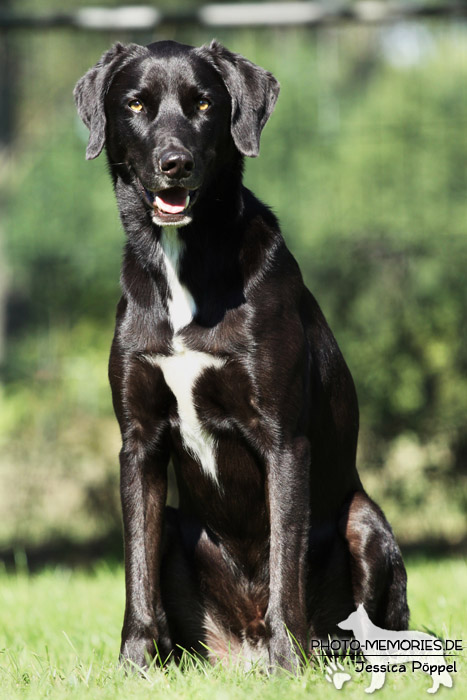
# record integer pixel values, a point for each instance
(7, 72)
(364, 162)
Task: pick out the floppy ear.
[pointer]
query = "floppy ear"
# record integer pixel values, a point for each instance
(89, 96)
(253, 92)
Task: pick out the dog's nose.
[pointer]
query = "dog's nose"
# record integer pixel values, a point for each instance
(176, 164)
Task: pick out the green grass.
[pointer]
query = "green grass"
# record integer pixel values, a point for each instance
(59, 636)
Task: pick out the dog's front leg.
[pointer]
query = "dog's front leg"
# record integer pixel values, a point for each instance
(288, 496)
(143, 485)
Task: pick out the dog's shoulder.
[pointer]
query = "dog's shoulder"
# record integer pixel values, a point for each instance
(265, 247)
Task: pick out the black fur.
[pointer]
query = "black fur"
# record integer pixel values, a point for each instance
(288, 541)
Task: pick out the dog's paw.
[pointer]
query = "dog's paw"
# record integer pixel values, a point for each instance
(336, 674)
(284, 654)
(136, 653)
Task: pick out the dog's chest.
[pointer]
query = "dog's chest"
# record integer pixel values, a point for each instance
(184, 367)
(181, 305)
(181, 372)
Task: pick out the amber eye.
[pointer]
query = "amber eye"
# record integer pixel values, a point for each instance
(203, 104)
(135, 105)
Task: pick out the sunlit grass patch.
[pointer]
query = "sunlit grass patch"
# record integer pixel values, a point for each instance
(60, 634)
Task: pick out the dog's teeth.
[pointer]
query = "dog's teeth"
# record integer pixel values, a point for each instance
(187, 200)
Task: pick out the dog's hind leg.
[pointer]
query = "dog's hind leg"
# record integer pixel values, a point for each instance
(379, 580)
(213, 609)
(181, 598)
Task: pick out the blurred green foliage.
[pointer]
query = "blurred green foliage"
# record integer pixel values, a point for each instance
(364, 161)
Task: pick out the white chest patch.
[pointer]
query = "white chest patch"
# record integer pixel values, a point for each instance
(182, 307)
(182, 369)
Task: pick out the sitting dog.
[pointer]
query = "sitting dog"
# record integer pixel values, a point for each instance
(223, 364)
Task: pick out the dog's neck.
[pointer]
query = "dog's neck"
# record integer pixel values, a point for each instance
(181, 304)
(196, 267)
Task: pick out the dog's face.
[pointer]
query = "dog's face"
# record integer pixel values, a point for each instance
(170, 113)
(167, 119)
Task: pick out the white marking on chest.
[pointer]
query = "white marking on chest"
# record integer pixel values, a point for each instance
(182, 369)
(182, 307)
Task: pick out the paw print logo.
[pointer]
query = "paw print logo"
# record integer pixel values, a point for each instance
(336, 674)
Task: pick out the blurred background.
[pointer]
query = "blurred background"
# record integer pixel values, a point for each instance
(364, 161)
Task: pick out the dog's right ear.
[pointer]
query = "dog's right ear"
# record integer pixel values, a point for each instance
(89, 95)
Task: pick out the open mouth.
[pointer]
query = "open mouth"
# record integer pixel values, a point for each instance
(170, 206)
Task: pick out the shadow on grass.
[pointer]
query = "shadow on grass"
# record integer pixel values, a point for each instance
(62, 551)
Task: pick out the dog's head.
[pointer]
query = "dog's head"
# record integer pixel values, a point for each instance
(170, 113)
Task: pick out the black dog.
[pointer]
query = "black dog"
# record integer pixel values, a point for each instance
(223, 363)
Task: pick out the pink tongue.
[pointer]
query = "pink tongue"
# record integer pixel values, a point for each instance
(172, 201)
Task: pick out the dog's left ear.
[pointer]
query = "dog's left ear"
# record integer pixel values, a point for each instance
(89, 96)
(253, 92)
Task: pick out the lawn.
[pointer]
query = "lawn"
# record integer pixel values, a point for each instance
(59, 636)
